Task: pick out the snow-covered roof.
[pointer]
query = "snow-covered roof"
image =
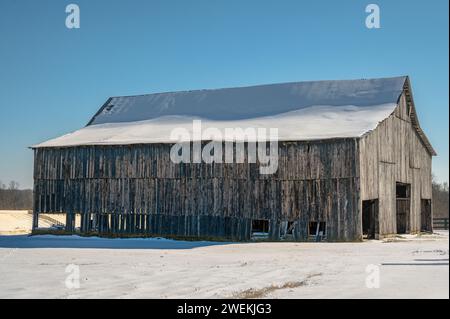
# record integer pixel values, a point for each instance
(300, 111)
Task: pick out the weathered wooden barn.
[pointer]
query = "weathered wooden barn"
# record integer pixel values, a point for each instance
(352, 162)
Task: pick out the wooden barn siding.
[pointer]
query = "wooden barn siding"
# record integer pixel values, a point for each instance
(392, 153)
(315, 181)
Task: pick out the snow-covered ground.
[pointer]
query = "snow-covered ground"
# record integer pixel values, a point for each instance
(408, 267)
(15, 222)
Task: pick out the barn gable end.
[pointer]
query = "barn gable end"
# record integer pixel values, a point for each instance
(397, 153)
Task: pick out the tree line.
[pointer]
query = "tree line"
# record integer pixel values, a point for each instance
(440, 199)
(12, 198)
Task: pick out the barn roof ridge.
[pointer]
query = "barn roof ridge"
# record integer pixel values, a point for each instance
(256, 85)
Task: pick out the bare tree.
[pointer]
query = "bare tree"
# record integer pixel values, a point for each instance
(13, 185)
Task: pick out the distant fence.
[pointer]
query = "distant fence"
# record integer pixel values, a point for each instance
(440, 223)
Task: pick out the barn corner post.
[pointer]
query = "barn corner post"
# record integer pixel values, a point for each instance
(359, 207)
(432, 214)
(35, 222)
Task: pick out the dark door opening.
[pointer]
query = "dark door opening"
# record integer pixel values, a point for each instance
(370, 219)
(426, 222)
(290, 228)
(317, 230)
(260, 228)
(287, 229)
(403, 194)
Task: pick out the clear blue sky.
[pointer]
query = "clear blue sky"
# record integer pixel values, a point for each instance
(53, 79)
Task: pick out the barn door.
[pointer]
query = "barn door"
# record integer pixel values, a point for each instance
(425, 216)
(370, 219)
(403, 207)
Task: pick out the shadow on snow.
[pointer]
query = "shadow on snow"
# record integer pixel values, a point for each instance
(52, 241)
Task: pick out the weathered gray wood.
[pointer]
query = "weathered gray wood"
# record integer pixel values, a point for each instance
(316, 181)
(392, 153)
